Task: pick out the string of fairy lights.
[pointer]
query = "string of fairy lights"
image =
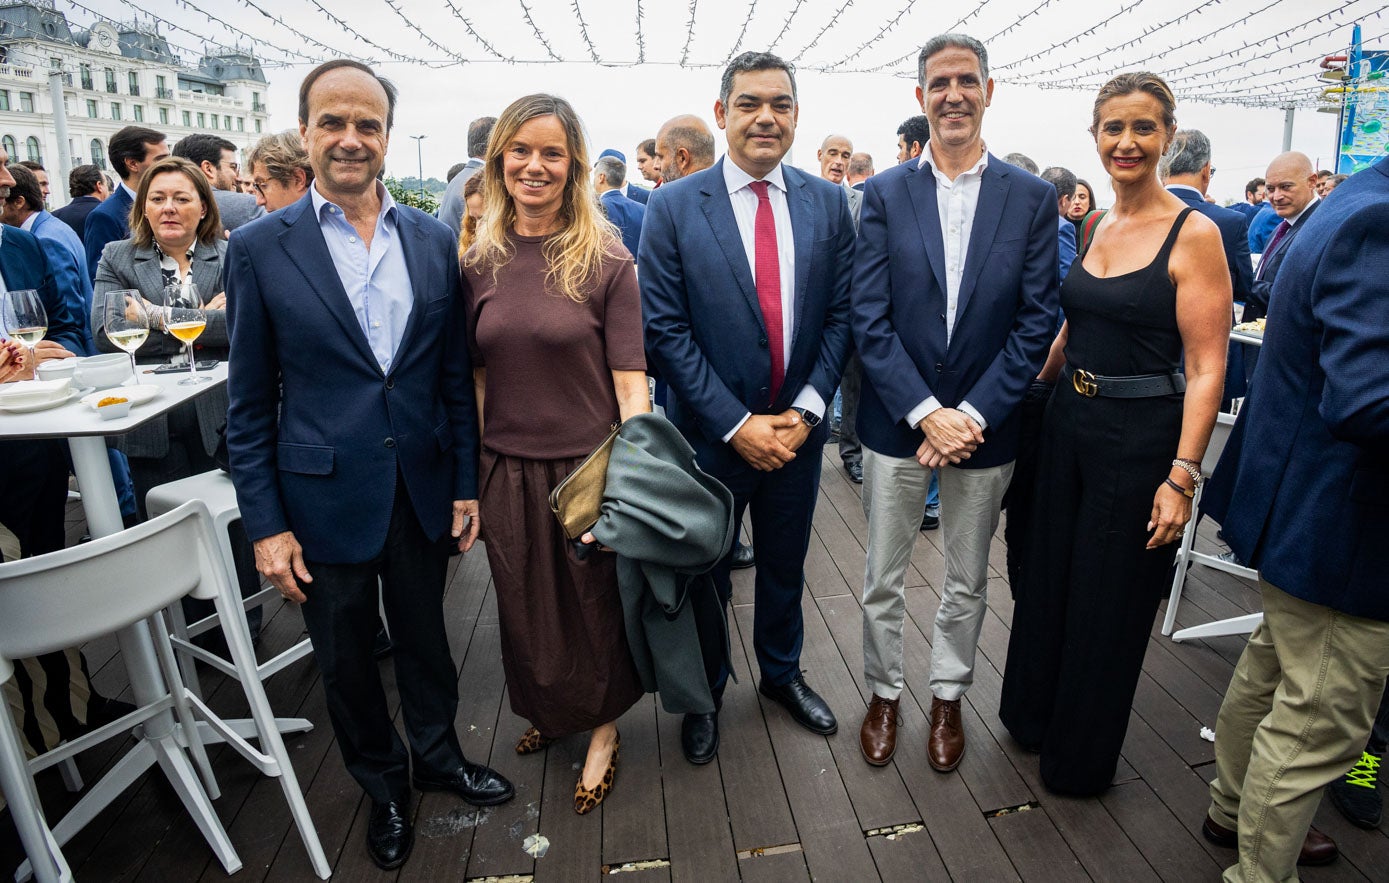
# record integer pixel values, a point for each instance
(1207, 49)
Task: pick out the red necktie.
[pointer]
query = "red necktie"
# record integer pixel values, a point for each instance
(1283, 228)
(768, 272)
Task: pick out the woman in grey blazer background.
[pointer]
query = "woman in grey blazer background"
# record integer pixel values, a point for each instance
(175, 238)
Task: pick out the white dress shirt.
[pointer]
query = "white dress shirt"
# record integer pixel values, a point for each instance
(745, 213)
(956, 201)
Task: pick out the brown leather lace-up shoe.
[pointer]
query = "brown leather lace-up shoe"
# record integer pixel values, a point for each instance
(1317, 848)
(946, 744)
(877, 738)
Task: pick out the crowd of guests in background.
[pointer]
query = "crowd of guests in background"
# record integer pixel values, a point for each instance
(977, 332)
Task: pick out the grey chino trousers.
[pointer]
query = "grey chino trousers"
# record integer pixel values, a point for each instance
(894, 495)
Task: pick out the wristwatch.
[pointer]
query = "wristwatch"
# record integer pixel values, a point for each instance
(811, 419)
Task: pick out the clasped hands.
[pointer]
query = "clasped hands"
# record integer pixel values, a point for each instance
(770, 441)
(951, 436)
(280, 558)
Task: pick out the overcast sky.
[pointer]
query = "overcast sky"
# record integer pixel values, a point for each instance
(1240, 47)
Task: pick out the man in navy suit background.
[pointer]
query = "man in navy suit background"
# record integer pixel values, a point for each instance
(132, 150)
(1292, 192)
(954, 307)
(1301, 494)
(353, 440)
(625, 214)
(744, 271)
(1186, 171)
(87, 184)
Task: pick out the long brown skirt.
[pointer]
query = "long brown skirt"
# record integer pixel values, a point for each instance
(564, 648)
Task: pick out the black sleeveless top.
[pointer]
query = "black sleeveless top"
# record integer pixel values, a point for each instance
(1127, 324)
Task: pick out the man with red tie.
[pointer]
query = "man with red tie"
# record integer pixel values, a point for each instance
(745, 271)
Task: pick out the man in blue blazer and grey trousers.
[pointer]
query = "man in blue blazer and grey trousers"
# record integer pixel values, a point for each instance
(1302, 493)
(744, 271)
(352, 435)
(954, 308)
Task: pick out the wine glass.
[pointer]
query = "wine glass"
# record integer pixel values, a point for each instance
(186, 325)
(23, 317)
(127, 322)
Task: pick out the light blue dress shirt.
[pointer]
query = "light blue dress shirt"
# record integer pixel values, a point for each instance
(376, 279)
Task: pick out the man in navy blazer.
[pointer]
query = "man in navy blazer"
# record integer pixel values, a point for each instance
(744, 271)
(132, 150)
(954, 307)
(1301, 494)
(1292, 193)
(625, 214)
(352, 435)
(87, 184)
(1186, 171)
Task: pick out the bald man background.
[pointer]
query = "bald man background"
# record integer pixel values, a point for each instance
(684, 145)
(834, 155)
(1291, 187)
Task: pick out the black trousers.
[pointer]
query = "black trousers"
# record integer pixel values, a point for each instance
(34, 486)
(782, 503)
(850, 450)
(1018, 500)
(341, 615)
(1090, 588)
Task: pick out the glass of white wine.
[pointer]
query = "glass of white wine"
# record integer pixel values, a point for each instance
(126, 320)
(187, 325)
(23, 317)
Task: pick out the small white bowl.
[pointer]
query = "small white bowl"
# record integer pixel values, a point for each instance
(57, 369)
(114, 411)
(103, 371)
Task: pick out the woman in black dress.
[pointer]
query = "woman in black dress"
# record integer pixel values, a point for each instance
(1147, 316)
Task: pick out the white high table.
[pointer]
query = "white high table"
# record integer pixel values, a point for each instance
(160, 738)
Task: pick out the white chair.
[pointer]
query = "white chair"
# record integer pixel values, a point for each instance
(66, 598)
(1186, 556)
(216, 491)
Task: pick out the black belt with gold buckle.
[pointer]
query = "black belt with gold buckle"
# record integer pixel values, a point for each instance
(1140, 386)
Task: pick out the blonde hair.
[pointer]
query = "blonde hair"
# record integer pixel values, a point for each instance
(576, 252)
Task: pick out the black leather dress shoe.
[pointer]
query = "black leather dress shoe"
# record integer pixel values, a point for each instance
(855, 471)
(805, 705)
(699, 737)
(743, 557)
(473, 782)
(390, 833)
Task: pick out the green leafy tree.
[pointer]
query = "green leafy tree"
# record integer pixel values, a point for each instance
(412, 197)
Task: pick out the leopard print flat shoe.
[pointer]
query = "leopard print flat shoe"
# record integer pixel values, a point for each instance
(585, 801)
(531, 741)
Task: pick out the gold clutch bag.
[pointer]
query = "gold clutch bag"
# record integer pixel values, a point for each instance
(578, 499)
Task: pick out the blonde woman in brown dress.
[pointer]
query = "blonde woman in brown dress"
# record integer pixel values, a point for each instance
(556, 340)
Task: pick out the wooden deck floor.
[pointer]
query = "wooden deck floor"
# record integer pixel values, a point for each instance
(779, 804)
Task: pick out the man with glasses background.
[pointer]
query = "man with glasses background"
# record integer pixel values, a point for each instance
(280, 170)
